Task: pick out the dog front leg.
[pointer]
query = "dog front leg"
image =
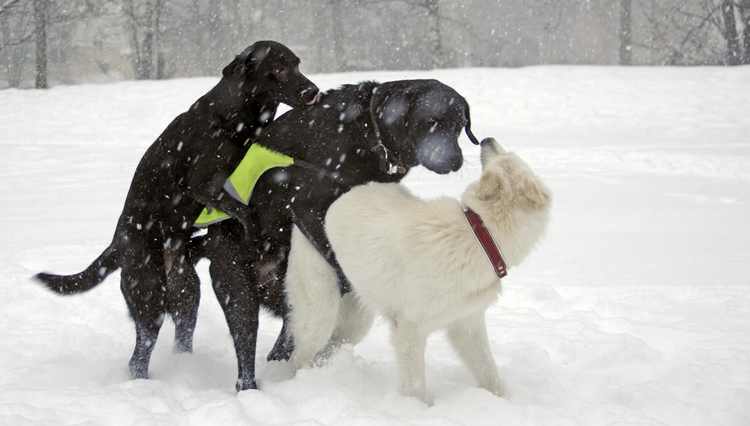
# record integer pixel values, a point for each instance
(409, 342)
(469, 338)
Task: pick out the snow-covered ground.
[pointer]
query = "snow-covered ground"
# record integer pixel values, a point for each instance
(635, 309)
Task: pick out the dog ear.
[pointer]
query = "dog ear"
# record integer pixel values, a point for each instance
(533, 192)
(393, 112)
(471, 136)
(493, 184)
(246, 62)
(256, 54)
(235, 68)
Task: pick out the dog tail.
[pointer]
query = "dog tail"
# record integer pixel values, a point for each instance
(104, 265)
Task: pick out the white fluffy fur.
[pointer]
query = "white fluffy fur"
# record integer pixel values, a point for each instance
(417, 263)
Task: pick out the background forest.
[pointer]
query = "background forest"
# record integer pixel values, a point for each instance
(47, 42)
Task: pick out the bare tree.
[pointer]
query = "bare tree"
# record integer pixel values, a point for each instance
(40, 34)
(744, 12)
(626, 30)
(437, 56)
(15, 37)
(702, 31)
(143, 18)
(734, 53)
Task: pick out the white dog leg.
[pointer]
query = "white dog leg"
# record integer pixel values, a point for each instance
(469, 337)
(313, 295)
(409, 342)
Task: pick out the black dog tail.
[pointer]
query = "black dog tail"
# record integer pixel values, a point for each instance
(104, 265)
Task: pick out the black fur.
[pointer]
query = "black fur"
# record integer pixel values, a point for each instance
(419, 121)
(180, 173)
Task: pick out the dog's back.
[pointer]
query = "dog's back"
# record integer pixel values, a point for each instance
(390, 242)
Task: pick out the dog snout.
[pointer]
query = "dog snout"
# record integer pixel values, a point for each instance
(491, 143)
(440, 154)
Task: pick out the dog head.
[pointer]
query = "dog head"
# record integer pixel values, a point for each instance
(424, 119)
(506, 179)
(511, 199)
(269, 69)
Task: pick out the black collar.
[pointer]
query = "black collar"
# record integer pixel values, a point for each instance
(389, 162)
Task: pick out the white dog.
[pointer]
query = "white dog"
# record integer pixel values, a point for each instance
(419, 264)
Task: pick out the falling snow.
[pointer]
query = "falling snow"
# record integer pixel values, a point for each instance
(634, 310)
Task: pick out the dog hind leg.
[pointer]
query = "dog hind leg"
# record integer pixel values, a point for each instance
(282, 349)
(144, 285)
(183, 298)
(469, 338)
(146, 335)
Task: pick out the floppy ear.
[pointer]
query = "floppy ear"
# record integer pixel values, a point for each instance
(492, 185)
(245, 62)
(532, 191)
(471, 136)
(393, 112)
(235, 68)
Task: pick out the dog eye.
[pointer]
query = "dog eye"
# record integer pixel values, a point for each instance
(279, 70)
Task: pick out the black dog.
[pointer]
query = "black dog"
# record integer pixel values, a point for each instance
(360, 133)
(182, 172)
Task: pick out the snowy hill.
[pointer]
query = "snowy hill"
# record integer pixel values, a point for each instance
(634, 310)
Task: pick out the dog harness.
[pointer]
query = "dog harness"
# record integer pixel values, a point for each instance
(260, 159)
(488, 244)
(241, 182)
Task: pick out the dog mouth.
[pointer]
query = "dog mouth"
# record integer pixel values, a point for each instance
(315, 99)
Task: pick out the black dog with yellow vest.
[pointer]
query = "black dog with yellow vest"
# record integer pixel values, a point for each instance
(180, 173)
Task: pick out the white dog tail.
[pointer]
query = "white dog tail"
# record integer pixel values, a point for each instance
(313, 295)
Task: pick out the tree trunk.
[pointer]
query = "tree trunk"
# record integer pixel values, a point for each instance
(14, 54)
(744, 8)
(437, 58)
(730, 33)
(143, 27)
(40, 33)
(337, 30)
(159, 75)
(147, 55)
(626, 44)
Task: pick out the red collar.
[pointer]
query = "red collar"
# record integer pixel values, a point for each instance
(487, 243)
